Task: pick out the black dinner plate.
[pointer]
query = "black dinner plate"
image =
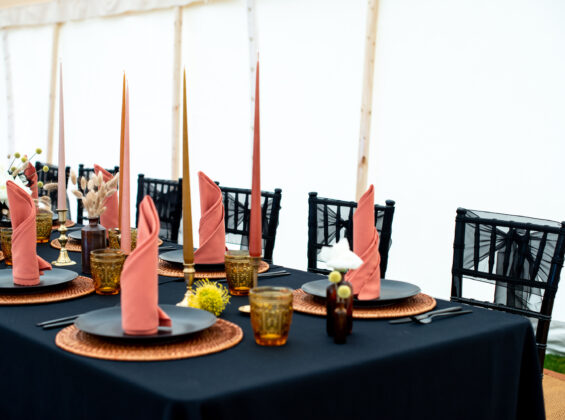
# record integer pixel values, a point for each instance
(176, 257)
(107, 323)
(54, 278)
(75, 235)
(391, 292)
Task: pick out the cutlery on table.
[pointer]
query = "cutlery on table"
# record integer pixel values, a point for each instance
(428, 319)
(425, 315)
(57, 320)
(59, 324)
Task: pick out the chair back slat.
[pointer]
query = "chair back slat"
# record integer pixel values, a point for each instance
(331, 220)
(167, 196)
(237, 208)
(52, 175)
(526, 255)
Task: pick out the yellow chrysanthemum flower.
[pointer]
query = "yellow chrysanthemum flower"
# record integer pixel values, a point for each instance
(38, 150)
(17, 155)
(343, 291)
(24, 159)
(45, 168)
(207, 295)
(335, 276)
(40, 184)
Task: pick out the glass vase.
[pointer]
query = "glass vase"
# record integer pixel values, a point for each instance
(93, 236)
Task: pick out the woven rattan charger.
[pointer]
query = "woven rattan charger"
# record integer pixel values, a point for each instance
(305, 303)
(68, 223)
(221, 336)
(74, 246)
(175, 270)
(80, 286)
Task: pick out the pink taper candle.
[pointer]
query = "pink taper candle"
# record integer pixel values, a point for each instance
(61, 181)
(255, 228)
(125, 189)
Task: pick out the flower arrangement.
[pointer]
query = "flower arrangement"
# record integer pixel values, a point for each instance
(206, 295)
(340, 257)
(98, 191)
(16, 172)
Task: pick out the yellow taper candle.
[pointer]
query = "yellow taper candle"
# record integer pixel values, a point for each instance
(188, 243)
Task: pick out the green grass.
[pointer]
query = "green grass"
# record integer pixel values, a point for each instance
(554, 363)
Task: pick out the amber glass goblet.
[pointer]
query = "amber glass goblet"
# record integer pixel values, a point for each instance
(114, 238)
(106, 267)
(6, 244)
(43, 226)
(271, 314)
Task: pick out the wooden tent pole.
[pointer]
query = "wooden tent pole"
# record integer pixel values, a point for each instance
(9, 93)
(367, 98)
(52, 91)
(177, 64)
(252, 34)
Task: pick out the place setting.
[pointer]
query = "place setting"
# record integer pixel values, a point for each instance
(35, 281)
(371, 296)
(140, 329)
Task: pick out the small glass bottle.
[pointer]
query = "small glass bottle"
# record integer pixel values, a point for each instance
(342, 321)
(348, 303)
(335, 278)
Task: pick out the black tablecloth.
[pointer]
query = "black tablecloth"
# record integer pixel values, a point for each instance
(478, 366)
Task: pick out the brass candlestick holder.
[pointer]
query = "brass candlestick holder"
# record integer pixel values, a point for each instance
(255, 262)
(63, 258)
(189, 273)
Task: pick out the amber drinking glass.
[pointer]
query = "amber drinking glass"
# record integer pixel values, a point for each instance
(114, 238)
(6, 244)
(271, 314)
(43, 225)
(239, 272)
(106, 266)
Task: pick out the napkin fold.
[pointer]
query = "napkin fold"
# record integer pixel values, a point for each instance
(27, 265)
(366, 280)
(141, 314)
(108, 219)
(212, 232)
(31, 175)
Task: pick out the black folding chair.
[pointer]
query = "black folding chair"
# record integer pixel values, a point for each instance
(330, 220)
(521, 257)
(167, 196)
(52, 175)
(237, 209)
(87, 172)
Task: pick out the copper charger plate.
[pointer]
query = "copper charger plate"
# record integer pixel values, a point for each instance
(305, 303)
(167, 269)
(81, 286)
(221, 336)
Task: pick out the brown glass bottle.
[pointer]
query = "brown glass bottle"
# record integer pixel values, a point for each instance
(340, 321)
(348, 303)
(93, 236)
(331, 297)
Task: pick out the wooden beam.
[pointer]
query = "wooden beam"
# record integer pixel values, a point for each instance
(253, 41)
(177, 64)
(52, 91)
(9, 93)
(367, 98)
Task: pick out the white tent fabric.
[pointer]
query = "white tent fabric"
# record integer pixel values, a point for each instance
(55, 11)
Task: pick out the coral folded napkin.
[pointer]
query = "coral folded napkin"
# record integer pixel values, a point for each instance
(27, 266)
(31, 176)
(108, 219)
(366, 280)
(141, 314)
(212, 232)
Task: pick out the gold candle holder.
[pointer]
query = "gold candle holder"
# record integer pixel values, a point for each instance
(255, 262)
(63, 258)
(189, 273)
